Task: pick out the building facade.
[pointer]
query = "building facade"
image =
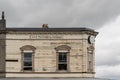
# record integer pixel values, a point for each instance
(46, 52)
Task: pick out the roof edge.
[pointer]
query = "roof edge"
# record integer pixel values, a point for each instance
(50, 29)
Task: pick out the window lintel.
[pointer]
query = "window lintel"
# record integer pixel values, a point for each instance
(27, 47)
(63, 47)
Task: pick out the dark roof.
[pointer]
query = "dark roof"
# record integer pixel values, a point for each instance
(50, 29)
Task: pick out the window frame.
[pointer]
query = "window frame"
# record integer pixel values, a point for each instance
(25, 60)
(27, 49)
(90, 59)
(63, 49)
(63, 62)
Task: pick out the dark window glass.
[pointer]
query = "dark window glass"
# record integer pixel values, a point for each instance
(62, 67)
(62, 57)
(62, 61)
(27, 68)
(27, 61)
(27, 56)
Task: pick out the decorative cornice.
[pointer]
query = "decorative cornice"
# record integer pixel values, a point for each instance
(36, 32)
(63, 47)
(27, 47)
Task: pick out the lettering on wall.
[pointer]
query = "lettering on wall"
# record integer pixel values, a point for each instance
(45, 36)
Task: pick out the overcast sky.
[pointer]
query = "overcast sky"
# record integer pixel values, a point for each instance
(101, 15)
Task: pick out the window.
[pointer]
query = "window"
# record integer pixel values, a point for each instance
(90, 60)
(62, 61)
(27, 56)
(27, 60)
(62, 57)
(89, 56)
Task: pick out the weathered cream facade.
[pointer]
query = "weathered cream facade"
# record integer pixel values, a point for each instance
(46, 46)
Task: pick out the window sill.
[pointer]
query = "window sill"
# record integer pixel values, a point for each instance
(62, 70)
(28, 71)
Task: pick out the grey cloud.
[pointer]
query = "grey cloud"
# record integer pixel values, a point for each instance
(60, 13)
(57, 13)
(108, 44)
(111, 72)
(108, 54)
(108, 51)
(71, 13)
